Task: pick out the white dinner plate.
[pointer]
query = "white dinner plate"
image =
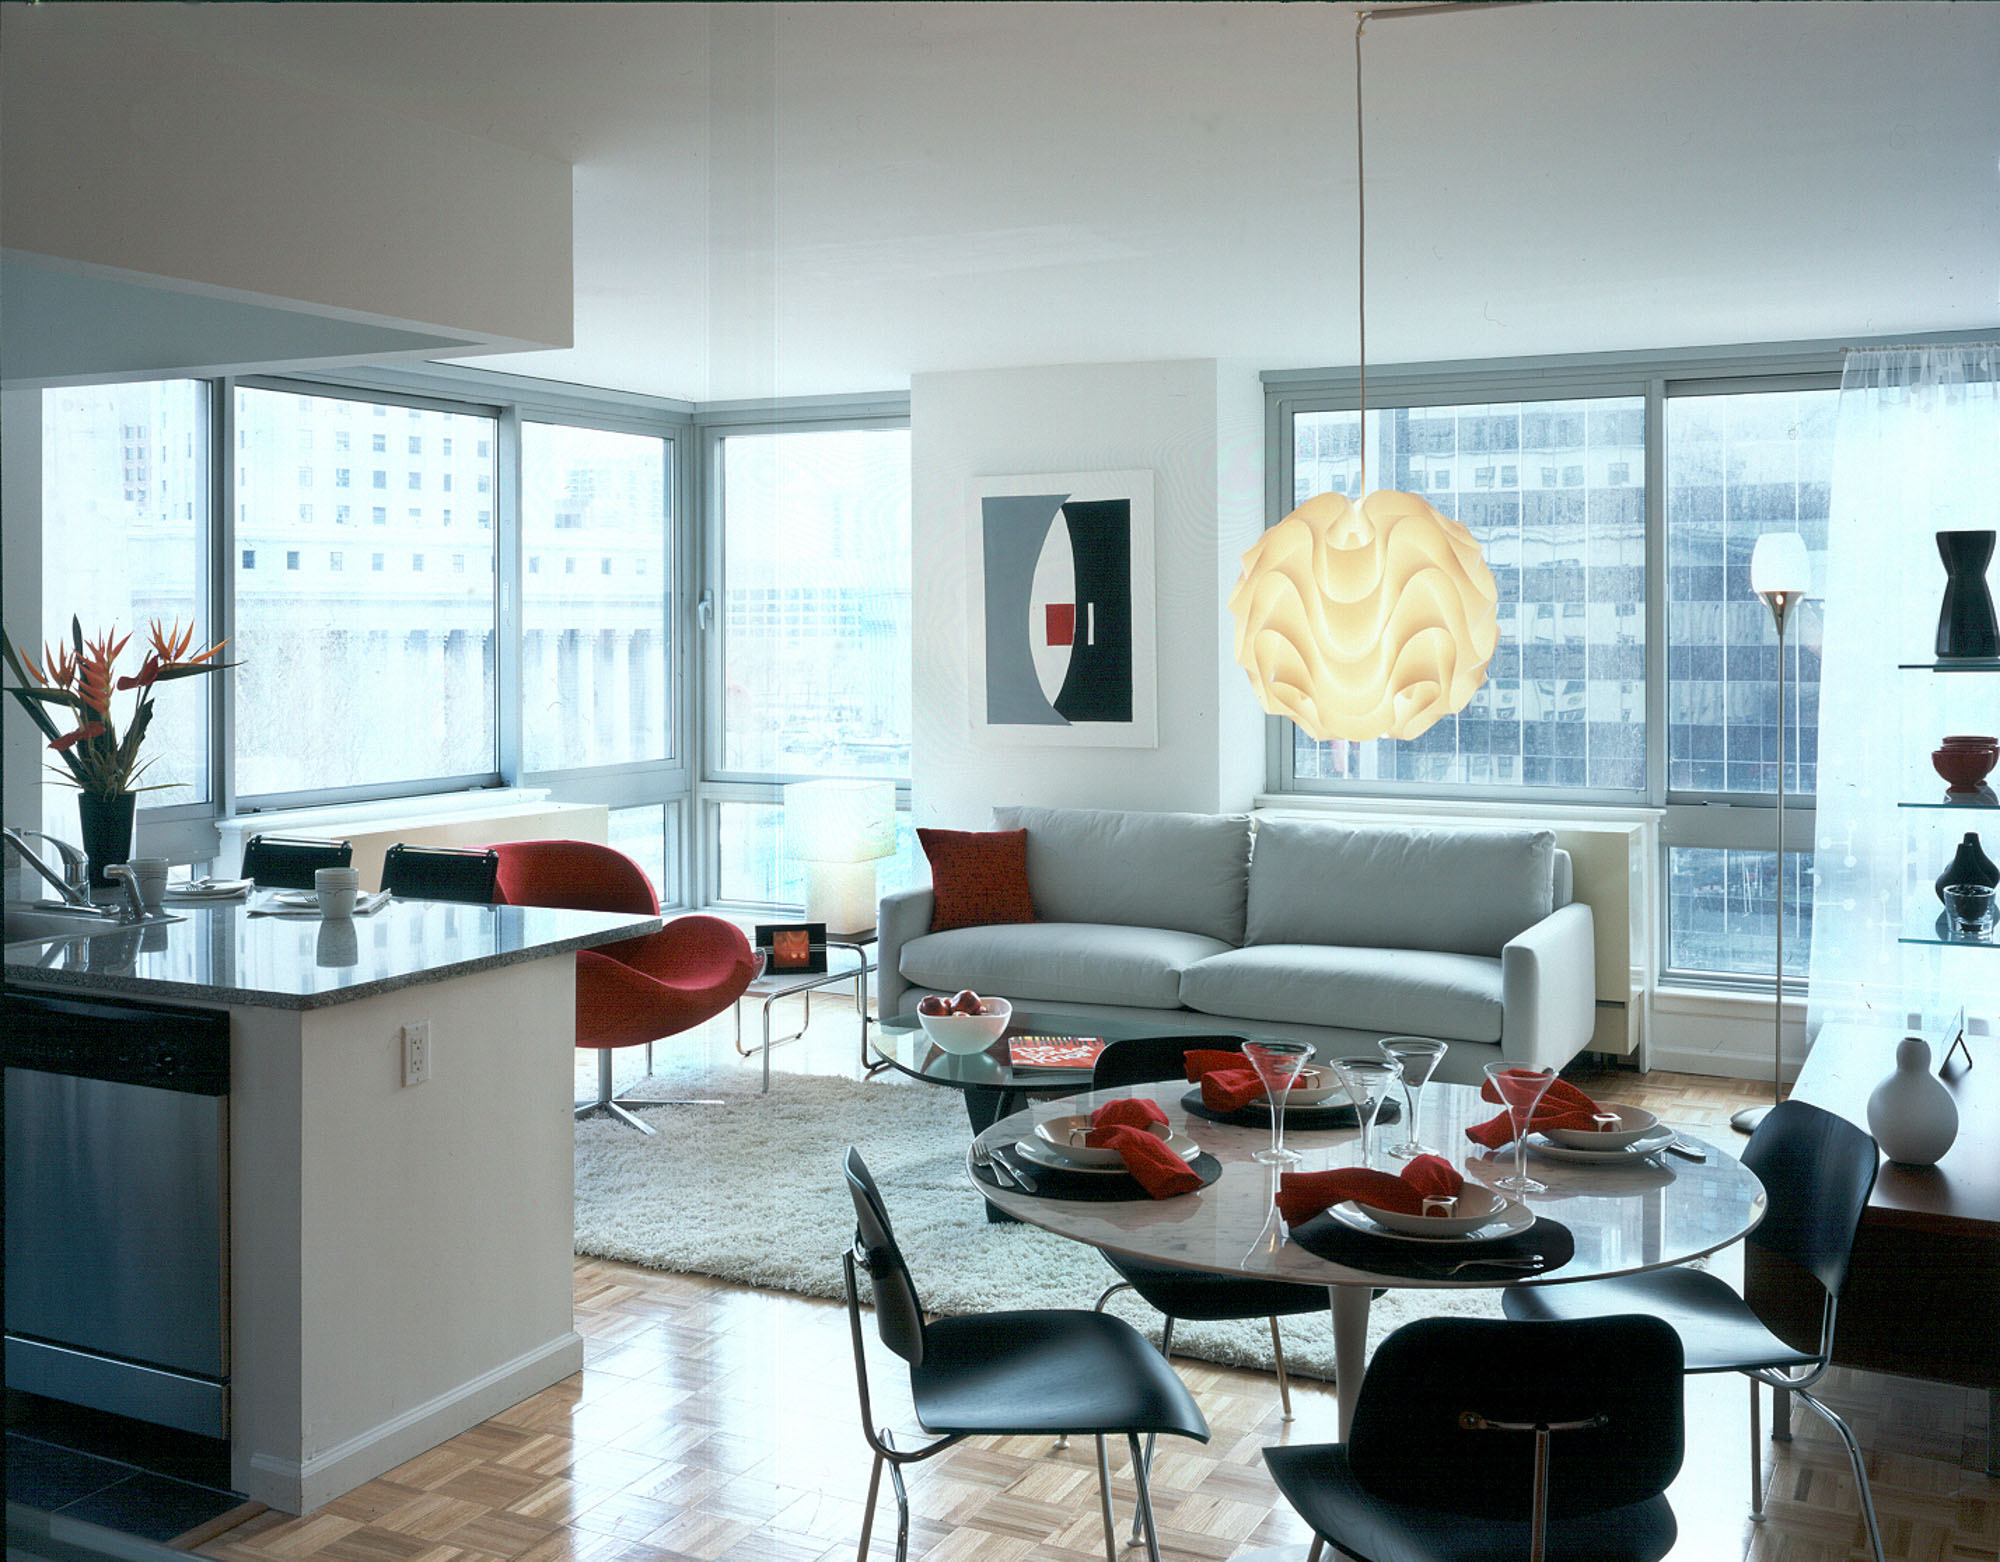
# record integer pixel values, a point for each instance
(295, 897)
(1037, 1153)
(1511, 1221)
(1310, 1095)
(1639, 1150)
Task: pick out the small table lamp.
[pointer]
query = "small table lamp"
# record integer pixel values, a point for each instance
(839, 830)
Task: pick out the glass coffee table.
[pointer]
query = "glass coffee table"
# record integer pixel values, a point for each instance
(993, 1088)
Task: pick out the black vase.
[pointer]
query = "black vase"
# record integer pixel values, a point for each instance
(1966, 624)
(1969, 866)
(107, 831)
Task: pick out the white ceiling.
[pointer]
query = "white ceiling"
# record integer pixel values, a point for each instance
(821, 198)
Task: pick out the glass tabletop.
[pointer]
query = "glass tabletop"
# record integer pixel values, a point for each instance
(900, 1040)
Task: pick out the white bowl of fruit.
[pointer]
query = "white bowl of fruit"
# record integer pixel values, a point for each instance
(965, 1022)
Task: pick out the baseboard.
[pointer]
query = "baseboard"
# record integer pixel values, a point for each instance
(299, 1487)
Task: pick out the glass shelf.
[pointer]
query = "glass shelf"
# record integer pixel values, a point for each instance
(1982, 806)
(1930, 929)
(1959, 664)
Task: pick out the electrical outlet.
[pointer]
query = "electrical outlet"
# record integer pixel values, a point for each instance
(417, 1052)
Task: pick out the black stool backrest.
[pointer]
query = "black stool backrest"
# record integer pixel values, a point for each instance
(441, 873)
(1408, 1445)
(899, 1311)
(1145, 1060)
(290, 861)
(1818, 1170)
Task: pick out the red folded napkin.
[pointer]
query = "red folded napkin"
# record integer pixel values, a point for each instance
(1124, 1126)
(1564, 1106)
(1302, 1195)
(1228, 1082)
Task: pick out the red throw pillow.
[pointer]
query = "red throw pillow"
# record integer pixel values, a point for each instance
(978, 877)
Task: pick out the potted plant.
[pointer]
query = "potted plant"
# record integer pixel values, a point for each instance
(78, 680)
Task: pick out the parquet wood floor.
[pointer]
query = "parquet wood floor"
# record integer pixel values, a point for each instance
(719, 1423)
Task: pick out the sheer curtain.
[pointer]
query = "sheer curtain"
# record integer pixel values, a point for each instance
(1916, 452)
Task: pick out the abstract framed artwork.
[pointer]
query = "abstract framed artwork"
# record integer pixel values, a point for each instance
(1061, 610)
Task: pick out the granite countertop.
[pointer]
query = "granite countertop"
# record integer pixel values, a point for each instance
(219, 954)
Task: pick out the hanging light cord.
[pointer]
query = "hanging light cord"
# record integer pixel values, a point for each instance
(1361, 246)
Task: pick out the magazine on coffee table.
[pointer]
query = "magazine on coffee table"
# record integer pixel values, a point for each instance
(1060, 1054)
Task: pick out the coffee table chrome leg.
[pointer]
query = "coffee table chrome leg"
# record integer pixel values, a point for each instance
(1349, 1305)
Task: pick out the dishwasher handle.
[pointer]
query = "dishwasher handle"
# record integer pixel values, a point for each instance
(126, 1043)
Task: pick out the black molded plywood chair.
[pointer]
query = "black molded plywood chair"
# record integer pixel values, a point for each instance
(1476, 1440)
(1817, 1171)
(290, 861)
(441, 873)
(1006, 1374)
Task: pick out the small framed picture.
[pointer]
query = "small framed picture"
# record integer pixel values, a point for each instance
(794, 946)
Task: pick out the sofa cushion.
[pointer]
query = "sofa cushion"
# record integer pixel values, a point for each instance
(1059, 962)
(1183, 871)
(1416, 992)
(1458, 891)
(977, 877)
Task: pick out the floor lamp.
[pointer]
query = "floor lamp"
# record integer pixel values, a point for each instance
(1780, 573)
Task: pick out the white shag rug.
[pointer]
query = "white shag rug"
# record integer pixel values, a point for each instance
(752, 1191)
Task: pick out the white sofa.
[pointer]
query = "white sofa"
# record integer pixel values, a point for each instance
(1329, 933)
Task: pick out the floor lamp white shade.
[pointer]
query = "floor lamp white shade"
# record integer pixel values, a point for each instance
(839, 830)
(1780, 574)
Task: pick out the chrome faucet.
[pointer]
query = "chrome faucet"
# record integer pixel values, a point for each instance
(71, 884)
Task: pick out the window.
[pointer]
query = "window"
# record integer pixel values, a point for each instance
(485, 484)
(535, 565)
(569, 566)
(305, 514)
(108, 562)
(447, 446)
(446, 480)
(291, 559)
(305, 442)
(335, 562)
(416, 444)
(341, 476)
(343, 515)
(1563, 704)
(820, 520)
(396, 687)
(415, 513)
(305, 477)
(249, 558)
(378, 442)
(416, 480)
(379, 515)
(485, 517)
(458, 564)
(342, 440)
(447, 517)
(380, 478)
(485, 449)
(417, 563)
(604, 567)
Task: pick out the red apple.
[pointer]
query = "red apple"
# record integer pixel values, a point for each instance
(966, 1001)
(934, 1006)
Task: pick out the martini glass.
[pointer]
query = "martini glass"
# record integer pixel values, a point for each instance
(1522, 1090)
(1419, 1057)
(1277, 1064)
(1367, 1081)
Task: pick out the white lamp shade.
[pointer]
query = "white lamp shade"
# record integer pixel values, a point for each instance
(1780, 565)
(840, 821)
(1365, 621)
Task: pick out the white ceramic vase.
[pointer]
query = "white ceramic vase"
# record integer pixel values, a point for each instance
(1911, 1114)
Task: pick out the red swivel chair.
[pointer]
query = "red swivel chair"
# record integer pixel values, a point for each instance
(631, 993)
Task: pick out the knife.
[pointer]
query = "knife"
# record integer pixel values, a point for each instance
(1013, 1164)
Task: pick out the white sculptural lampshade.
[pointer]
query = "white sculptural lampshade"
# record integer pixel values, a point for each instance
(839, 830)
(1780, 566)
(1365, 621)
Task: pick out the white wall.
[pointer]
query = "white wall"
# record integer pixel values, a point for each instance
(1177, 420)
(21, 603)
(163, 166)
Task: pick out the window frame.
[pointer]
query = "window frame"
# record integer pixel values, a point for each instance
(716, 785)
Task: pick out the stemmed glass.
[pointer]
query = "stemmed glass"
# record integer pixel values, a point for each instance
(1277, 1064)
(1367, 1081)
(1419, 1057)
(1522, 1089)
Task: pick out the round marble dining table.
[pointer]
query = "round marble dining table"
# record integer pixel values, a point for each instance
(1653, 1212)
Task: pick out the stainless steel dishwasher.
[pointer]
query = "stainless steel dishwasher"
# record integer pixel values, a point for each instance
(117, 1207)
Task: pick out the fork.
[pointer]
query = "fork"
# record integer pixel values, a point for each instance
(984, 1158)
(1526, 1265)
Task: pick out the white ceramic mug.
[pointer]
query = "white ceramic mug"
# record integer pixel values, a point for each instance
(338, 889)
(149, 878)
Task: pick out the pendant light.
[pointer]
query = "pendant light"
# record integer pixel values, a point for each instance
(1371, 619)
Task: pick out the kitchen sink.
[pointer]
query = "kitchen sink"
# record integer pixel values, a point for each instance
(46, 922)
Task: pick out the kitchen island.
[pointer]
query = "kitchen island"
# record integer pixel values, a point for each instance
(398, 1247)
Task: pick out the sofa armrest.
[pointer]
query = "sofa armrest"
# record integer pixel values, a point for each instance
(898, 919)
(1548, 982)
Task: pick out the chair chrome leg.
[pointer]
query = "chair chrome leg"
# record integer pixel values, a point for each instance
(1104, 1501)
(1756, 1455)
(1141, 1479)
(868, 1512)
(1319, 1546)
(1166, 1350)
(1110, 1291)
(1854, 1455)
(902, 1513)
(1284, 1387)
(626, 1117)
(1781, 1415)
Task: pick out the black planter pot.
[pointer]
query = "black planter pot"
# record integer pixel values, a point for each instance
(1966, 625)
(107, 831)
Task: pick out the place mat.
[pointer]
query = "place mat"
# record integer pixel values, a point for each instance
(1092, 1187)
(1325, 1237)
(1303, 1118)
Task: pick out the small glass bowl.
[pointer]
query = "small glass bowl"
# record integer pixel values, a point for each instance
(1970, 905)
